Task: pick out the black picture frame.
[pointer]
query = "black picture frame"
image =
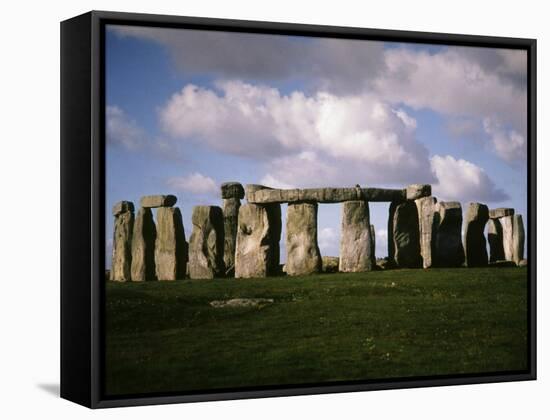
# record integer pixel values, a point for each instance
(83, 203)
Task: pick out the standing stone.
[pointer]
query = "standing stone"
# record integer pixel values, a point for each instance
(303, 255)
(230, 221)
(170, 245)
(427, 221)
(356, 248)
(143, 246)
(494, 235)
(258, 235)
(519, 238)
(373, 242)
(448, 246)
(507, 223)
(475, 245)
(206, 243)
(122, 241)
(391, 245)
(406, 240)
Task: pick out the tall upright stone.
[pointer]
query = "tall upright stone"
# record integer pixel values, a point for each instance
(170, 245)
(494, 236)
(519, 238)
(143, 246)
(427, 224)
(406, 240)
(206, 243)
(475, 245)
(449, 249)
(122, 241)
(232, 193)
(391, 244)
(258, 235)
(373, 243)
(303, 255)
(356, 247)
(507, 223)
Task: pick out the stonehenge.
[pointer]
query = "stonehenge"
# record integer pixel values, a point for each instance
(257, 244)
(143, 246)
(206, 243)
(232, 193)
(302, 251)
(427, 227)
(475, 245)
(406, 235)
(123, 212)
(506, 235)
(170, 245)
(243, 240)
(448, 242)
(356, 243)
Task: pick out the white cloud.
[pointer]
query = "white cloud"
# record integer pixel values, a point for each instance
(194, 183)
(328, 239)
(456, 82)
(302, 138)
(460, 180)
(122, 130)
(508, 144)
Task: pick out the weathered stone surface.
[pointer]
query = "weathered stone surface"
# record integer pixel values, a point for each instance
(519, 238)
(122, 245)
(143, 246)
(303, 255)
(356, 248)
(391, 245)
(507, 223)
(151, 201)
(206, 243)
(373, 244)
(494, 236)
(500, 212)
(123, 206)
(258, 235)
(427, 224)
(475, 245)
(330, 264)
(406, 240)
(449, 249)
(263, 195)
(416, 191)
(232, 190)
(170, 245)
(230, 223)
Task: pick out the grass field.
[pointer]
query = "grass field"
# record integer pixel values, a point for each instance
(165, 336)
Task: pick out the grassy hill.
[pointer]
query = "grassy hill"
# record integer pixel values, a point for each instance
(165, 336)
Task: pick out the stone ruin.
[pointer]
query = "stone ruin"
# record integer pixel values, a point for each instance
(242, 241)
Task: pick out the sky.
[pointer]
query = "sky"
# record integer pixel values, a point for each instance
(187, 110)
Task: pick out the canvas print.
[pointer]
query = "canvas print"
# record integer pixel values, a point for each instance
(292, 210)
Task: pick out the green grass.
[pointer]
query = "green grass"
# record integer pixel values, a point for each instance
(164, 336)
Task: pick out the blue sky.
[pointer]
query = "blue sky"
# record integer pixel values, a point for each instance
(188, 110)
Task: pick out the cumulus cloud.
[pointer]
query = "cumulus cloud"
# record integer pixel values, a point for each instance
(123, 131)
(455, 82)
(195, 183)
(508, 144)
(303, 139)
(460, 180)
